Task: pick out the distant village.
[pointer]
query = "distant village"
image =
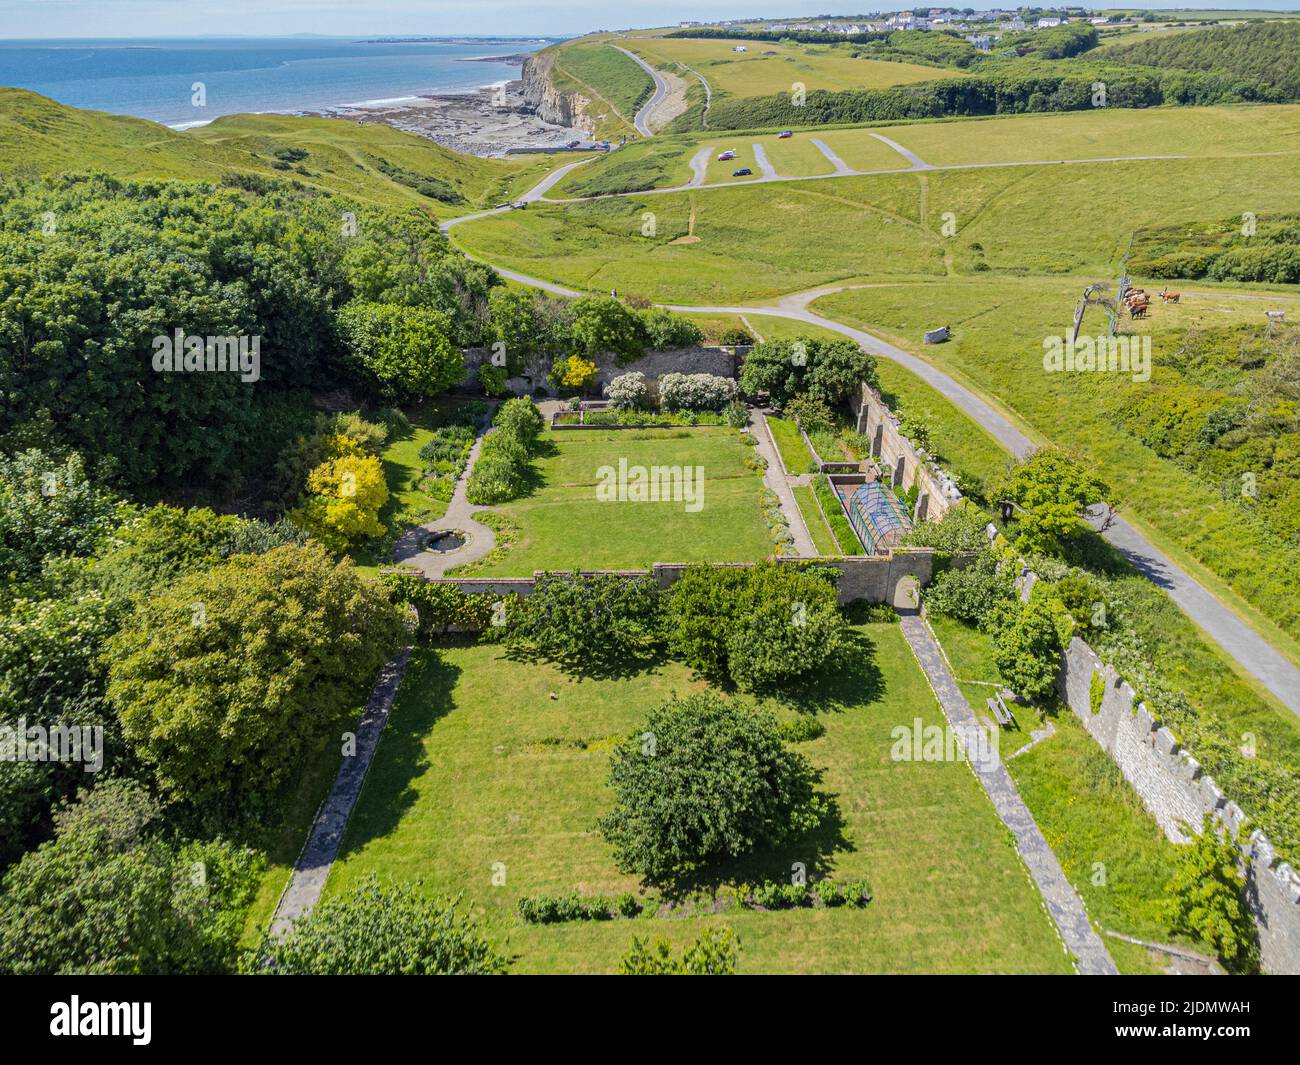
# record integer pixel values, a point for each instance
(981, 28)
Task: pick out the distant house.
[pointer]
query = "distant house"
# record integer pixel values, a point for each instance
(1099, 21)
(982, 41)
(1014, 25)
(1048, 23)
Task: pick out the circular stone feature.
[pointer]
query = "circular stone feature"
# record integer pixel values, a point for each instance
(446, 540)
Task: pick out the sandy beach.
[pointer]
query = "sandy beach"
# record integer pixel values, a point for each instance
(485, 123)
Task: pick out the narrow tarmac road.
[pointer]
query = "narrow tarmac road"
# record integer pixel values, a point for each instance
(642, 120)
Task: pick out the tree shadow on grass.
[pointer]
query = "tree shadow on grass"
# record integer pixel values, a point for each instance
(815, 851)
(851, 678)
(423, 699)
(534, 482)
(619, 666)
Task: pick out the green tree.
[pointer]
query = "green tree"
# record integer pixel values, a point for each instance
(715, 953)
(763, 626)
(1050, 491)
(375, 930)
(520, 419)
(408, 351)
(837, 370)
(226, 680)
(1027, 648)
(1206, 897)
(604, 326)
(705, 779)
(48, 508)
(114, 893)
(595, 622)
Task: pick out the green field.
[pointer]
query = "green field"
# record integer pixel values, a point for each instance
(39, 136)
(481, 765)
(752, 73)
(563, 525)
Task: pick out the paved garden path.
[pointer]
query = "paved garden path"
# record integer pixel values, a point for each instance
(411, 548)
(1063, 902)
(779, 482)
(312, 868)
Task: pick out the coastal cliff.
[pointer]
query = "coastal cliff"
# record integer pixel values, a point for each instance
(563, 107)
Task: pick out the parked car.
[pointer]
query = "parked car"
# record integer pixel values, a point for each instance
(744, 171)
(519, 205)
(784, 134)
(728, 154)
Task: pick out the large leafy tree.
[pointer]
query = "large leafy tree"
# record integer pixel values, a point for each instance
(407, 351)
(228, 678)
(705, 779)
(603, 325)
(1048, 493)
(376, 930)
(763, 627)
(1027, 646)
(114, 893)
(831, 371)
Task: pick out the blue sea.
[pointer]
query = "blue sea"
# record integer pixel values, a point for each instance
(154, 78)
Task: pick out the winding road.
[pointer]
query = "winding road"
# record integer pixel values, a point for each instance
(642, 120)
(1255, 655)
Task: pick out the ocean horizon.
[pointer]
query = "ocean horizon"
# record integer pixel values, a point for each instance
(154, 77)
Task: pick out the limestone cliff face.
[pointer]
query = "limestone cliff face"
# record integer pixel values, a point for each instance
(564, 108)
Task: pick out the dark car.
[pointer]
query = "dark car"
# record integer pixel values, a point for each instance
(744, 171)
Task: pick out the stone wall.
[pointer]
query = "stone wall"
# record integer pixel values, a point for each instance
(873, 579)
(1172, 786)
(908, 464)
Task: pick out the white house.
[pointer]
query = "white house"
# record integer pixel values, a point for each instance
(1014, 25)
(982, 41)
(1048, 23)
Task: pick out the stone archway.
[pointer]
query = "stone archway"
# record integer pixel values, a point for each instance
(907, 594)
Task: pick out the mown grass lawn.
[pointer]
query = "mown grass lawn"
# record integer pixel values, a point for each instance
(562, 524)
(817, 527)
(491, 764)
(789, 442)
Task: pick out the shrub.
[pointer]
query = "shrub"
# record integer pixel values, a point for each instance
(1027, 649)
(585, 622)
(574, 372)
(344, 497)
(379, 931)
(554, 909)
(664, 329)
(602, 325)
(442, 606)
(973, 593)
(520, 419)
(1096, 691)
(804, 727)
(715, 953)
(627, 391)
(1207, 897)
(811, 414)
(736, 415)
(501, 472)
(762, 626)
(492, 379)
(695, 391)
(704, 780)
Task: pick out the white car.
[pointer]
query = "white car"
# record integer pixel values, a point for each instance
(728, 154)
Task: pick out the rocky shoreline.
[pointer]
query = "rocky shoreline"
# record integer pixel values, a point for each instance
(488, 122)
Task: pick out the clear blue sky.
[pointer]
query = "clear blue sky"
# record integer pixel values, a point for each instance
(162, 18)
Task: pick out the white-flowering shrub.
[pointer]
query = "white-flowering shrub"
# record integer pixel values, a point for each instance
(627, 391)
(695, 391)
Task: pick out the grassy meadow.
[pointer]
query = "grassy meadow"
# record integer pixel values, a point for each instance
(39, 136)
(756, 73)
(490, 760)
